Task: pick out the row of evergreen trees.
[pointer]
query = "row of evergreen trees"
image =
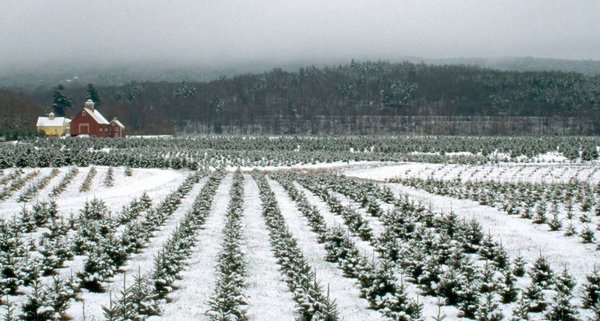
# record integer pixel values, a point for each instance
(228, 300)
(378, 282)
(64, 182)
(107, 251)
(529, 200)
(32, 190)
(311, 303)
(17, 183)
(356, 223)
(496, 280)
(143, 297)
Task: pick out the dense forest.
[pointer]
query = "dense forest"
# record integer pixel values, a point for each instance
(359, 98)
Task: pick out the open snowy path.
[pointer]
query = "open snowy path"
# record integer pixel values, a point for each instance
(268, 295)
(138, 263)
(190, 299)
(343, 290)
(517, 235)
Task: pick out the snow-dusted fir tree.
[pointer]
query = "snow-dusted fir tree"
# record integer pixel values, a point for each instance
(541, 273)
(521, 310)
(591, 289)
(489, 309)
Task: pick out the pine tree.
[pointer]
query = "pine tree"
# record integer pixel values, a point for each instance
(382, 285)
(60, 102)
(487, 279)
(488, 310)
(519, 266)
(110, 312)
(10, 314)
(540, 214)
(58, 296)
(36, 306)
(142, 300)
(587, 235)
(535, 297)
(541, 273)
(92, 94)
(570, 229)
(561, 309)
(555, 223)
(507, 290)
(469, 299)
(521, 310)
(592, 289)
(564, 282)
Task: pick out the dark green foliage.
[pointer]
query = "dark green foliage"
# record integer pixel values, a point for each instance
(36, 306)
(535, 297)
(61, 103)
(519, 266)
(92, 94)
(507, 289)
(592, 289)
(541, 273)
(521, 310)
(488, 310)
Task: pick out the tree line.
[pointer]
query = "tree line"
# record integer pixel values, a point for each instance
(287, 102)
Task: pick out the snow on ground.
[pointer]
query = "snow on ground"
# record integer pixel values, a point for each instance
(190, 299)
(138, 263)
(317, 166)
(429, 302)
(336, 220)
(343, 290)
(155, 182)
(268, 296)
(374, 222)
(517, 235)
(549, 172)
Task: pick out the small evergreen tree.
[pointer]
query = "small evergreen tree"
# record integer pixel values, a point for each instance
(36, 306)
(555, 222)
(535, 297)
(507, 290)
(587, 235)
(521, 310)
(570, 229)
(488, 310)
(519, 266)
(564, 282)
(541, 273)
(591, 289)
(10, 314)
(561, 309)
(540, 214)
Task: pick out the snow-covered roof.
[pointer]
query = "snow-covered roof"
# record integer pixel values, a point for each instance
(56, 121)
(116, 121)
(97, 116)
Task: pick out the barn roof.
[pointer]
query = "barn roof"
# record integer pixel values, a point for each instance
(97, 116)
(55, 121)
(116, 121)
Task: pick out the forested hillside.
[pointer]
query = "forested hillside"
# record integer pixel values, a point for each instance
(371, 97)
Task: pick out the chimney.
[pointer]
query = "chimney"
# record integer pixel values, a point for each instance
(51, 115)
(89, 104)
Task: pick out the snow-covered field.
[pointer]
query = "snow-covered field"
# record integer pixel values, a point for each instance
(266, 294)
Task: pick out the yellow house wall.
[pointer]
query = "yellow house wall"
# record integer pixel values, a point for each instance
(53, 130)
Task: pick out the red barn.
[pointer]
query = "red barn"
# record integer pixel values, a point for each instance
(90, 121)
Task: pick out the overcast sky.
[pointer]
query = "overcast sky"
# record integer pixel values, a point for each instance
(221, 32)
